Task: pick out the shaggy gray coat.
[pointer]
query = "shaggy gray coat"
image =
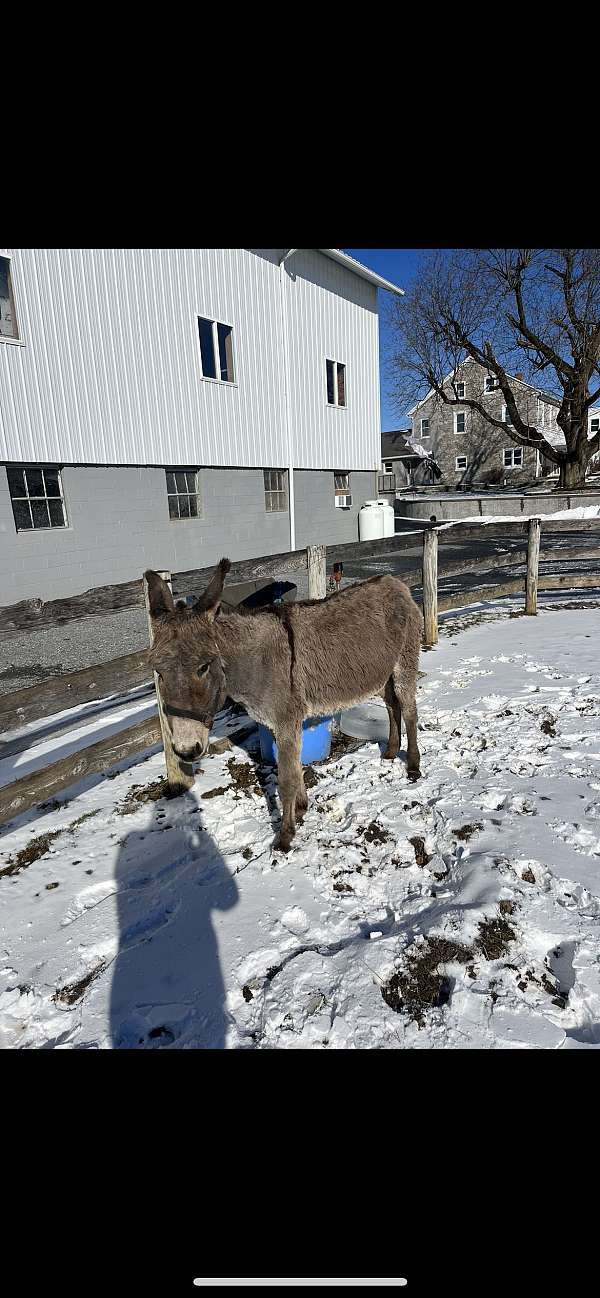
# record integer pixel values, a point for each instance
(287, 663)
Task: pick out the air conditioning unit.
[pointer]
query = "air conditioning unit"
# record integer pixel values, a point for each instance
(343, 502)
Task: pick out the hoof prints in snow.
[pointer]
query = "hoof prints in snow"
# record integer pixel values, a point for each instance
(469, 916)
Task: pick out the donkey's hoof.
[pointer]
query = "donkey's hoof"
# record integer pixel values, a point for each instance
(414, 774)
(282, 843)
(389, 755)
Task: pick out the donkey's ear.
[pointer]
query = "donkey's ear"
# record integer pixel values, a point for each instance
(210, 601)
(159, 596)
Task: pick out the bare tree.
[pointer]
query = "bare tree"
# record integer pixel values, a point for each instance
(536, 309)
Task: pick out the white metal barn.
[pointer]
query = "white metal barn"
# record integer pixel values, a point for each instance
(161, 407)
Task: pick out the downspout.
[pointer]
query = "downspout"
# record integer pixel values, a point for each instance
(286, 396)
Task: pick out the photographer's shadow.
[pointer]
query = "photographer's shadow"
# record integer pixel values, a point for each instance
(168, 988)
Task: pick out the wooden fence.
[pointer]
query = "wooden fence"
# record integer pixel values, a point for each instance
(126, 673)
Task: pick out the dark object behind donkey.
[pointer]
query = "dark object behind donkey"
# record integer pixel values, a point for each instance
(284, 664)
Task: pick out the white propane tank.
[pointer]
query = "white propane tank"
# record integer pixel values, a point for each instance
(370, 520)
(389, 518)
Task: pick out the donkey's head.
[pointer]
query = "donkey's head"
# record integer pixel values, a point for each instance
(186, 656)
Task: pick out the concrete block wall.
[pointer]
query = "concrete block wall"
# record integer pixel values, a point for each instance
(118, 524)
(318, 522)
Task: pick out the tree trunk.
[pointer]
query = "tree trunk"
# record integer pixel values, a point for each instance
(572, 474)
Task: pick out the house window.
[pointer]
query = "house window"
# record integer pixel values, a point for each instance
(336, 383)
(36, 495)
(513, 459)
(490, 383)
(388, 467)
(276, 496)
(460, 391)
(460, 462)
(460, 422)
(594, 426)
(216, 350)
(182, 493)
(343, 497)
(506, 417)
(425, 428)
(8, 315)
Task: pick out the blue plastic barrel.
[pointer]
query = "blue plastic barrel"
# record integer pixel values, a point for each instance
(316, 741)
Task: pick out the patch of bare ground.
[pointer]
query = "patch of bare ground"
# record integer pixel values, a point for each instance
(216, 793)
(495, 935)
(73, 992)
(340, 744)
(244, 777)
(422, 857)
(466, 832)
(374, 833)
(311, 777)
(422, 985)
(548, 727)
(37, 847)
(140, 793)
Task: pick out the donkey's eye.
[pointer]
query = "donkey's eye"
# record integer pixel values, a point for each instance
(202, 671)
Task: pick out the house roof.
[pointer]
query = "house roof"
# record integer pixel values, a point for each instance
(396, 445)
(544, 396)
(351, 264)
(363, 271)
(401, 445)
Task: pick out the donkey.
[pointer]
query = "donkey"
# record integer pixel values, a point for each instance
(286, 663)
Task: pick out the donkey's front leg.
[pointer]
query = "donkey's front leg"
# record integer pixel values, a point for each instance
(289, 779)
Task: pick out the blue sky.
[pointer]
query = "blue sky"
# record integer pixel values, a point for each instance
(398, 265)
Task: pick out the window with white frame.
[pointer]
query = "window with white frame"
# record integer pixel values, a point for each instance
(336, 383)
(388, 466)
(490, 383)
(460, 421)
(182, 493)
(594, 426)
(37, 496)
(425, 430)
(8, 315)
(276, 493)
(460, 462)
(216, 350)
(343, 496)
(513, 458)
(506, 416)
(460, 390)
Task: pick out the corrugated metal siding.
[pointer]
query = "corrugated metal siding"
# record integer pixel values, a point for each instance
(333, 313)
(109, 372)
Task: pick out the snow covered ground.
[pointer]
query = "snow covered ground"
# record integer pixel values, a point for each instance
(459, 912)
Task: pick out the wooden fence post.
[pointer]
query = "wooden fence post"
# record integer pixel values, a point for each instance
(180, 775)
(430, 577)
(317, 571)
(533, 558)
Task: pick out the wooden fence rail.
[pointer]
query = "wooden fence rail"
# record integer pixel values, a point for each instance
(123, 674)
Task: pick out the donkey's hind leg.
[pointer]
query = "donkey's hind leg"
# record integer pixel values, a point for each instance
(406, 691)
(290, 780)
(395, 716)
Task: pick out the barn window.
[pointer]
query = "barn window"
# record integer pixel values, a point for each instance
(460, 422)
(276, 495)
(182, 493)
(36, 495)
(594, 426)
(425, 428)
(490, 383)
(336, 383)
(513, 458)
(216, 350)
(506, 416)
(8, 315)
(460, 391)
(341, 484)
(460, 462)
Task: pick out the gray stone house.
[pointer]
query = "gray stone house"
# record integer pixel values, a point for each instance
(471, 452)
